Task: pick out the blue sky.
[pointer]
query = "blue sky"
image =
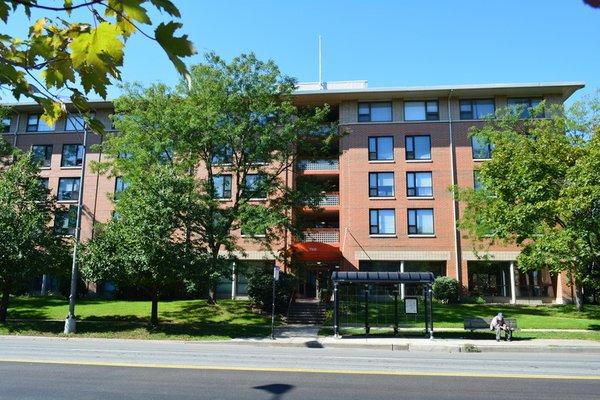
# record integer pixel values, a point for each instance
(391, 42)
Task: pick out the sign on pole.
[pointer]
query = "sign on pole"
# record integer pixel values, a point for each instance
(276, 273)
(410, 305)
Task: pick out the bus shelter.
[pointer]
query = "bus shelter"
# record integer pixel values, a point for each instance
(372, 299)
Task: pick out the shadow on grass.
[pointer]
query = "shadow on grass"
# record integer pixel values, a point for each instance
(138, 330)
(224, 311)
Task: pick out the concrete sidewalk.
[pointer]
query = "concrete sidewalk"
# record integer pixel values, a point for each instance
(429, 345)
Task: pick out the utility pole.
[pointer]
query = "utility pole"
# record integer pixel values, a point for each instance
(321, 84)
(275, 279)
(70, 322)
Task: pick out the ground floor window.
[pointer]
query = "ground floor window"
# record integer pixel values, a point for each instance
(224, 287)
(489, 278)
(437, 267)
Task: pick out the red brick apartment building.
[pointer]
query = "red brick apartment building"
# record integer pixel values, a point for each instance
(389, 207)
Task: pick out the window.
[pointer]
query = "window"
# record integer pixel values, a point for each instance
(477, 109)
(382, 221)
(381, 184)
(381, 148)
(222, 155)
(524, 104)
(35, 124)
(255, 186)
(375, 112)
(420, 221)
(476, 180)
(42, 154)
(418, 147)
(65, 222)
(6, 124)
(482, 149)
(68, 189)
(421, 110)
(419, 184)
(74, 122)
(72, 155)
(44, 182)
(222, 186)
(120, 185)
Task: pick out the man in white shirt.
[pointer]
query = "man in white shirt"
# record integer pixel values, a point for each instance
(498, 324)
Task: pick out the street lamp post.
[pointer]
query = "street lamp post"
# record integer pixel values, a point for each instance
(70, 322)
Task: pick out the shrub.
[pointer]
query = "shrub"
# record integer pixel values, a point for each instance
(446, 289)
(473, 300)
(260, 289)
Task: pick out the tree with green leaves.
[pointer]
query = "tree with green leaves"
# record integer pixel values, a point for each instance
(80, 56)
(541, 191)
(236, 120)
(28, 246)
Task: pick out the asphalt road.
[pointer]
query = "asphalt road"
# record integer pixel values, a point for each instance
(20, 381)
(55, 368)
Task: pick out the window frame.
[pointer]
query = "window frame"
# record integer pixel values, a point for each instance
(223, 196)
(416, 211)
(58, 192)
(527, 103)
(489, 150)
(28, 126)
(369, 116)
(76, 115)
(246, 187)
(78, 161)
(62, 232)
(376, 139)
(371, 225)
(415, 187)
(472, 103)
(429, 115)
(376, 187)
(46, 147)
(406, 157)
(6, 127)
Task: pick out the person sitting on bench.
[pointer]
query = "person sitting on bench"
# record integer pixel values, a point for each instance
(498, 324)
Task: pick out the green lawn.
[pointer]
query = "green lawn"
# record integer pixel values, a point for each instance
(452, 315)
(184, 319)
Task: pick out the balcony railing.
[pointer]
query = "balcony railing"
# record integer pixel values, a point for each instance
(322, 235)
(330, 199)
(318, 165)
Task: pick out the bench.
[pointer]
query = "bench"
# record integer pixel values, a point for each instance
(479, 323)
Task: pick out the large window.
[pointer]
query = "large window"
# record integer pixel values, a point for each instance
(482, 149)
(381, 148)
(255, 186)
(42, 154)
(74, 122)
(120, 185)
(420, 221)
(477, 180)
(419, 184)
(418, 147)
(68, 189)
(65, 222)
(72, 155)
(382, 221)
(524, 105)
(35, 124)
(381, 184)
(477, 109)
(222, 155)
(6, 124)
(421, 110)
(222, 185)
(375, 112)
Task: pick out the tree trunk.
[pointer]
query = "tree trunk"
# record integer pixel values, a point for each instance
(4, 304)
(578, 296)
(212, 294)
(154, 313)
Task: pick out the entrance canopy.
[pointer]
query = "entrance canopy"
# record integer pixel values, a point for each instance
(316, 251)
(382, 277)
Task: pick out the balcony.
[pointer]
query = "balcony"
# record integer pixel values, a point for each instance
(308, 166)
(330, 199)
(322, 235)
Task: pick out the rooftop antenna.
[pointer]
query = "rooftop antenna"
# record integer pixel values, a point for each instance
(321, 85)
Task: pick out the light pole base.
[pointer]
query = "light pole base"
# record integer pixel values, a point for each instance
(70, 325)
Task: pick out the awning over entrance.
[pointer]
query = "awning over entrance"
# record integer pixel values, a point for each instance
(316, 251)
(382, 277)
